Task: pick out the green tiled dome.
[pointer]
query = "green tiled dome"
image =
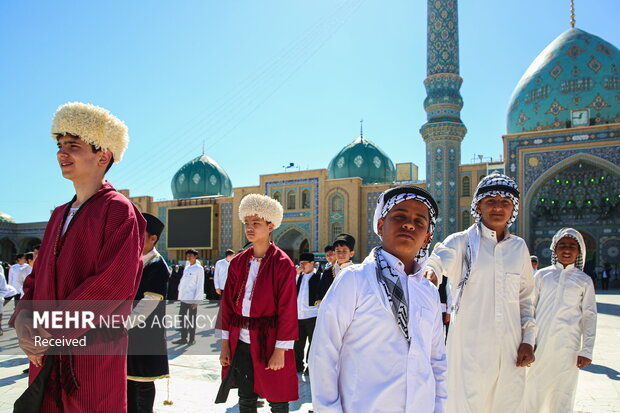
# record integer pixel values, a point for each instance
(6, 218)
(364, 159)
(576, 71)
(201, 177)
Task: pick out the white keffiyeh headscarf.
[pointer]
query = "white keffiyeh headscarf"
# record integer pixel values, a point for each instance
(574, 234)
(496, 184)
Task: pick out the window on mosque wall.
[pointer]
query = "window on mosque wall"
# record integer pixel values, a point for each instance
(305, 199)
(291, 200)
(466, 186)
(336, 230)
(465, 220)
(277, 196)
(337, 203)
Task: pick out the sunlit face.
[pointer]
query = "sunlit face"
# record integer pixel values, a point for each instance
(343, 253)
(78, 161)
(191, 258)
(495, 211)
(330, 256)
(306, 266)
(567, 250)
(257, 230)
(405, 229)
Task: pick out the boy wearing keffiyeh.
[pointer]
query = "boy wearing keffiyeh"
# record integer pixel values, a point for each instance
(492, 329)
(378, 345)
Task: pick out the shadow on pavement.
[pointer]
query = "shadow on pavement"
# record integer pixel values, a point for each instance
(605, 308)
(598, 369)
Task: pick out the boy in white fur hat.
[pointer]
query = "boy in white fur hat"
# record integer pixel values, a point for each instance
(566, 319)
(91, 251)
(259, 314)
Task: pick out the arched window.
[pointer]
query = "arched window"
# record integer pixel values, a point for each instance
(466, 186)
(336, 230)
(291, 200)
(466, 219)
(481, 177)
(337, 204)
(305, 199)
(277, 196)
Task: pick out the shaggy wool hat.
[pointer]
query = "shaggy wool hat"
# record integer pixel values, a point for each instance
(92, 124)
(262, 206)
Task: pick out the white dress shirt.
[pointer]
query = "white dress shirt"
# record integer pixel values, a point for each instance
(221, 273)
(17, 275)
(191, 286)
(304, 310)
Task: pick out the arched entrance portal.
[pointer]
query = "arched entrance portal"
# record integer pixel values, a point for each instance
(293, 242)
(28, 244)
(7, 250)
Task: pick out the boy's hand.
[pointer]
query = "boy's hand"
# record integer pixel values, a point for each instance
(225, 353)
(525, 355)
(583, 362)
(276, 362)
(431, 276)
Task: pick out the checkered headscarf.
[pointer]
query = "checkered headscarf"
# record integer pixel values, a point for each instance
(391, 197)
(574, 234)
(496, 184)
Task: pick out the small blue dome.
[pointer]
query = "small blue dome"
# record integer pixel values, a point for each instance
(201, 177)
(364, 159)
(6, 218)
(576, 71)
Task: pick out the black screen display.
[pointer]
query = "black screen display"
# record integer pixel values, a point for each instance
(190, 227)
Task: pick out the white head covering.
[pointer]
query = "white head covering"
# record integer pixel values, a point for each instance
(496, 184)
(393, 196)
(574, 234)
(262, 206)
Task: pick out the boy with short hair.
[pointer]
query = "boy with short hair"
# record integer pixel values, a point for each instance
(492, 328)
(191, 289)
(221, 271)
(565, 305)
(307, 301)
(344, 248)
(259, 314)
(90, 252)
(378, 343)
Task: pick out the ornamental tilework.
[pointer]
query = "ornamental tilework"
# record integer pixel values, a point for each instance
(314, 184)
(442, 46)
(226, 229)
(161, 214)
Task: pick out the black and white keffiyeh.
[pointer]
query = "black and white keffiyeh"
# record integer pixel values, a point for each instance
(570, 233)
(391, 197)
(496, 184)
(393, 289)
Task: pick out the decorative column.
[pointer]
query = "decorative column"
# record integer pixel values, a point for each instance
(443, 130)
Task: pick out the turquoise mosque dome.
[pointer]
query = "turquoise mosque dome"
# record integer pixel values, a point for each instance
(6, 218)
(201, 176)
(364, 159)
(576, 77)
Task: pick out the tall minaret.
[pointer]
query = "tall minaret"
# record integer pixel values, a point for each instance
(443, 130)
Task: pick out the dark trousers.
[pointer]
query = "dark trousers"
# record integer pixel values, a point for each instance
(244, 376)
(15, 297)
(605, 283)
(446, 325)
(306, 329)
(140, 396)
(188, 315)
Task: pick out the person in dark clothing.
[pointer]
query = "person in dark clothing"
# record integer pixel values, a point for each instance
(307, 306)
(173, 284)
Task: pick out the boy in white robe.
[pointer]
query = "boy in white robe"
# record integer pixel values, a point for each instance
(565, 309)
(378, 345)
(492, 329)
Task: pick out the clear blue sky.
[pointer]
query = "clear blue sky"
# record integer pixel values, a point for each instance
(288, 80)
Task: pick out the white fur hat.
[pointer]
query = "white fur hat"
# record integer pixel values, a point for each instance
(94, 125)
(262, 206)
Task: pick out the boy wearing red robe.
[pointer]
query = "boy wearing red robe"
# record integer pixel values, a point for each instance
(259, 315)
(91, 251)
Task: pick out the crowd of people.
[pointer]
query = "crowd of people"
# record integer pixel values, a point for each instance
(375, 331)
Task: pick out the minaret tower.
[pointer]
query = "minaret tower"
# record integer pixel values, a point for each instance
(443, 130)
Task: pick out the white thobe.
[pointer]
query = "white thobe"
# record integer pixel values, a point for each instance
(191, 286)
(17, 275)
(565, 306)
(221, 273)
(496, 315)
(360, 361)
(304, 309)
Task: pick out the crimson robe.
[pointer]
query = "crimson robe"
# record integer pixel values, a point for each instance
(274, 298)
(98, 258)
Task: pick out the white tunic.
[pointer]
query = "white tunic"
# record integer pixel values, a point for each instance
(17, 275)
(565, 305)
(495, 317)
(191, 286)
(360, 360)
(304, 310)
